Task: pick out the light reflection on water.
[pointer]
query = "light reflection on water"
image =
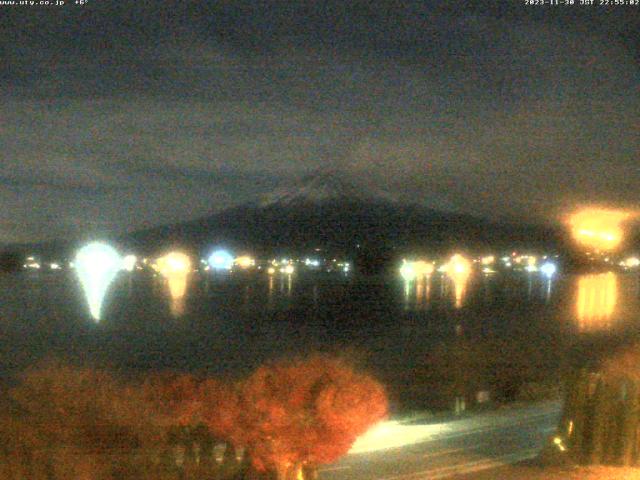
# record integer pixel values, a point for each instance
(597, 296)
(228, 321)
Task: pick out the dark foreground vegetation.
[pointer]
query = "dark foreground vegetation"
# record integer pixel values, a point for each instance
(601, 420)
(62, 422)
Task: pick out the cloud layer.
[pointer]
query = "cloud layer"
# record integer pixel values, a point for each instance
(161, 119)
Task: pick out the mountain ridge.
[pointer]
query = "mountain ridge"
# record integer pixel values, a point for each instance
(331, 210)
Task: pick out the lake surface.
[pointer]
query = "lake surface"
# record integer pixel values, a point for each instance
(230, 324)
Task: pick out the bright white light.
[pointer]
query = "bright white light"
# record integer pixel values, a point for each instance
(548, 269)
(288, 269)
(221, 260)
(311, 263)
(97, 265)
(407, 271)
(55, 266)
(129, 263)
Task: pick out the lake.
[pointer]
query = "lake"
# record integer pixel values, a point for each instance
(425, 339)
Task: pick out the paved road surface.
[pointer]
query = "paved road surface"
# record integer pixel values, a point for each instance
(425, 452)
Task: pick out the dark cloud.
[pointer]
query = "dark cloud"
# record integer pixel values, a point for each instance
(122, 114)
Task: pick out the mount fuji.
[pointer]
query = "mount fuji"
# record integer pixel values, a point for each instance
(333, 211)
(325, 186)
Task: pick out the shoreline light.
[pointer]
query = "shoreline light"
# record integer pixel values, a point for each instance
(407, 271)
(175, 267)
(459, 270)
(245, 261)
(548, 269)
(129, 263)
(97, 264)
(221, 260)
(288, 269)
(598, 229)
(631, 262)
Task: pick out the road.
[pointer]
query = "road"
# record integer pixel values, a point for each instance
(444, 450)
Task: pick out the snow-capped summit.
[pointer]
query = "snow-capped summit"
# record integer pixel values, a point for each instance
(323, 186)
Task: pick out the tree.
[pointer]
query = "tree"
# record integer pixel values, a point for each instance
(306, 412)
(172, 397)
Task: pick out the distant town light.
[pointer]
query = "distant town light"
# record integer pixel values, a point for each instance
(488, 260)
(422, 268)
(271, 270)
(407, 271)
(459, 270)
(245, 261)
(55, 266)
(311, 262)
(175, 267)
(129, 263)
(97, 264)
(548, 269)
(221, 260)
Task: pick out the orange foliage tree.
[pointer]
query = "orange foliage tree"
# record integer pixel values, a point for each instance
(173, 398)
(306, 412)
(219, 410)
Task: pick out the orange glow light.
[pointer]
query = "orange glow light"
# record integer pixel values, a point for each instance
(175, 267)
(459, 270)
(245, 261)
(422, 268)
(598, 229)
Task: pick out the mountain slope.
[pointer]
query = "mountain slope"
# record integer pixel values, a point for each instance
(321, 187)
(328, 210)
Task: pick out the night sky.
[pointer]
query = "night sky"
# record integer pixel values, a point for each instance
(120, 115)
